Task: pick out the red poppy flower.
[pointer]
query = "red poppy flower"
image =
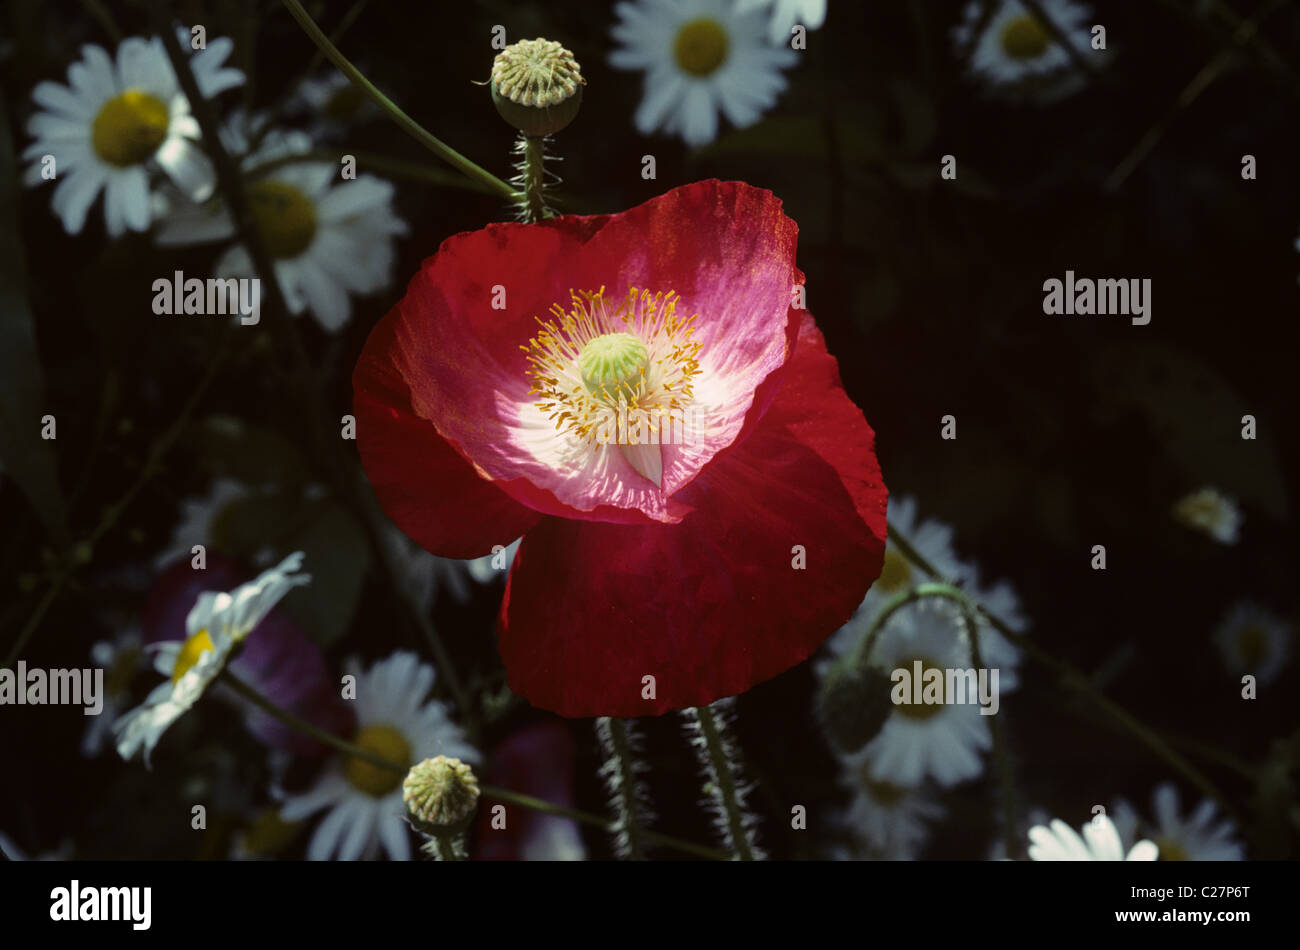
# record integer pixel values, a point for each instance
(502, 397)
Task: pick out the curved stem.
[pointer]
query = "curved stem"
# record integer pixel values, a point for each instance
(488, 791)
(1069, 675)
(408, 125)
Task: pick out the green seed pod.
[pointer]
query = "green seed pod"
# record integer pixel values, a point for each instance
(537, 86)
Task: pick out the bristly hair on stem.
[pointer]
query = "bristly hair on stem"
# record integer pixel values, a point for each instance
(621, 772)
(533, 182)
(707, 730)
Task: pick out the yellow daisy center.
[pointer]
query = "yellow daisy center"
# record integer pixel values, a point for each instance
(919, 711)
(191, 650)
(1252, 644)
(1171, 850)
(595, 359)
(284, 217)
(701, 46)
(386, 742)
(1025, 37)
(896, 574)
(129, 128)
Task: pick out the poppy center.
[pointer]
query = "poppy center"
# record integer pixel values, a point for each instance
(387, 743)
(191, 650)
(613, 366)
(701, 47)
(129, 128)
(284, 217)
(1025, 38)
(920, 711)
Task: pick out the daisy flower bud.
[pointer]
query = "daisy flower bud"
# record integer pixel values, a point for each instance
(537, 86)
(441, 795)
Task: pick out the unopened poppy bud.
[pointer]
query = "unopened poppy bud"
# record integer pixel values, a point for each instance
(852, 704)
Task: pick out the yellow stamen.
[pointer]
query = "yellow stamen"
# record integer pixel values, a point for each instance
(191, 650)
(656, 365)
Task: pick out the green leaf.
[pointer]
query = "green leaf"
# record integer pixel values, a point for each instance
(25, 456)
(250, 453)
(336, 549)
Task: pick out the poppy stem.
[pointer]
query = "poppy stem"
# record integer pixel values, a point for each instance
(531, 180)
(715, 751)
(1069, 675)
(390, 108)
(488, 791)
(620, 771)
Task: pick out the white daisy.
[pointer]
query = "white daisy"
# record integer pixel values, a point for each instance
(216, 624)
(1254, 640)
(932, 540)
(785, 14)
(1100, 842)
(1016, 49)
(940, 740)
(326, 236)
(700, 57)
(200, 518)
(1211, 512)
(364, 800)
(1199, 837)
(333, 103)
(1001, 600)
(114, 123)
(120, 660)
(891, 822)
(424, 574)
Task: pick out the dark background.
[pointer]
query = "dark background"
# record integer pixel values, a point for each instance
(1072, 431)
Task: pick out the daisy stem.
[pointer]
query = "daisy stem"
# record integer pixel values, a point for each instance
(276, 111)
(488, 791)
(1069, 675)
(1000, 759)
(726, 781)
(111, 515)
(1210, 72)
(304, 380)
(404, 121)
(100, 12)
